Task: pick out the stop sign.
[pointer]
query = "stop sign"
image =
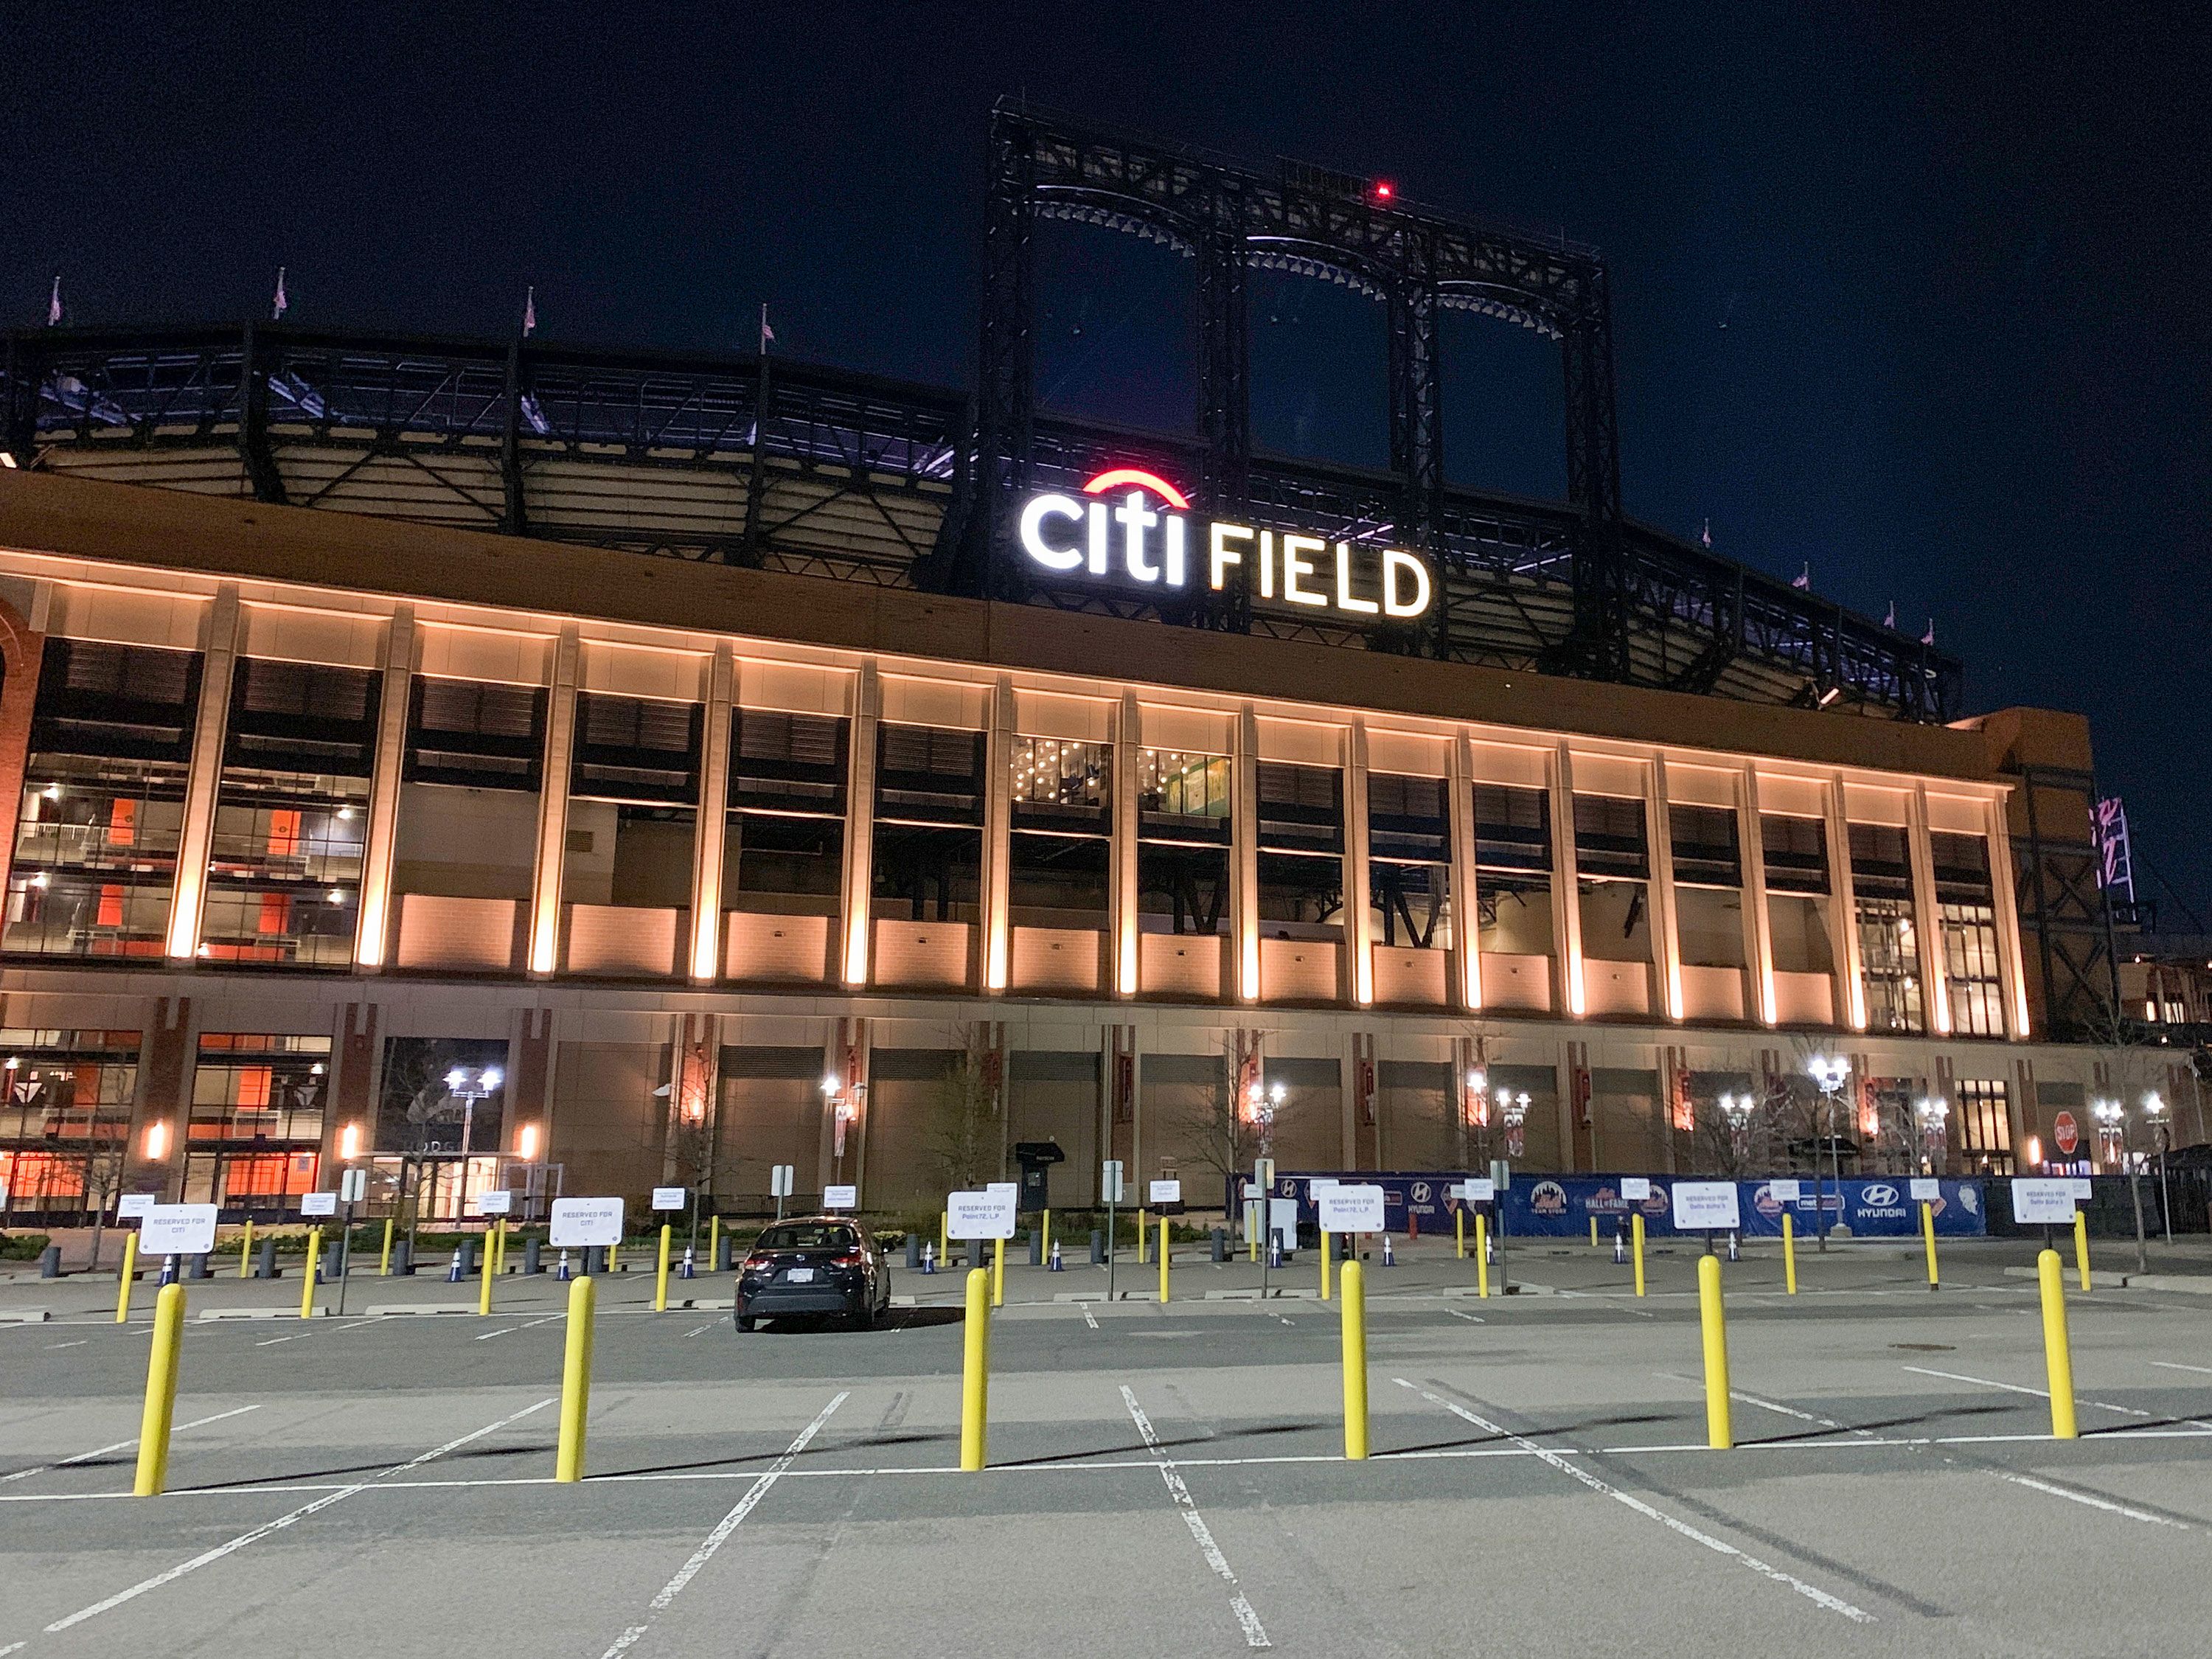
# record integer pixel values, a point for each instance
(2066, 1132)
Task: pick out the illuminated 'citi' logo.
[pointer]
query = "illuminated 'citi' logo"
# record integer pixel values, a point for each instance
(1066, 534)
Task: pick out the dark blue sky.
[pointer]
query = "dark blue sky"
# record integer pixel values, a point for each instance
(1917, 296)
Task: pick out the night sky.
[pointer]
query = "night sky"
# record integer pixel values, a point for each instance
(1919, 299)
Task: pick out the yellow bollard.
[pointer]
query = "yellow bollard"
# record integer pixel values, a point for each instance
(1481, 1254)
(713, 1242)
(1045, 1254)
(1593, 1232)
(161, 1393)
(1718, 1435)
(384, 1261)
(660, 1273)
(1354, 1316)
(1144, 1244)
(500, 1227)
(1790, 1253)
(1928, 1232)
(975, 1374)
(129, 1277)
(944, 1227)
(2058, 1355)
(1163, 1258)
(485, 1275)
(307, 1284)
(576, 1379)
(2082, 1247)
(245, 1249)
(1635, 1238)
(997, 1273)
(1328, 1259)
(1459, 1233)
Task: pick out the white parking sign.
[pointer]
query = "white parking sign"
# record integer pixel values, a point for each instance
(1350, 1209)
(1705, 1206)
(176, 1229)
(979, 1215)
(580, 1224)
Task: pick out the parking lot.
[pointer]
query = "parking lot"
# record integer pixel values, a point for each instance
(1162, 1479)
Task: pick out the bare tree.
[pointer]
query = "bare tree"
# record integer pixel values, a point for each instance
(105, 1157)
(1219, 1134)
(966, 1139)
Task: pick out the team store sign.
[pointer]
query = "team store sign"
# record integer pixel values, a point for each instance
(1121, 527)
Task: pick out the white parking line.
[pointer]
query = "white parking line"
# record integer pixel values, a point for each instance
(1455, 1312)
(1255, 1634)
(728, 1524)
(2175, 1365)
(1089, 1318)
(205, 1557)
(102, 1451)
(2043, 1394)
(1811, 1592)
(2095, 1503)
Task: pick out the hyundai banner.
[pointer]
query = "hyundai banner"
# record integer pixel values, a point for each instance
(1869, 1208)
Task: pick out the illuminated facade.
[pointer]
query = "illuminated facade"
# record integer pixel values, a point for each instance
(668, 844)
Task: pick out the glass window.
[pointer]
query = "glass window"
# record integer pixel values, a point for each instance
(1982, 1115)
(929, 814)
(1061, 856)
(1708, 886)
(1301, 851)
(64, 1120)
(291, 811)
(1182, 842)
(1409, 861)
(783, 853)
(468, 809)
(257, 1121)
(1513, 870)
(633, 808)
(1612, 865)
(102, 809)
(1797, 853)
(1889, 948)
(1965, 909)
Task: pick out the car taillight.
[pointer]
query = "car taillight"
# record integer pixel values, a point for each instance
(850, 1259)
(756, 1261)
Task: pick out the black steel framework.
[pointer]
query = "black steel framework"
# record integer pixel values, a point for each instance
(794, 467)
(2064, 917)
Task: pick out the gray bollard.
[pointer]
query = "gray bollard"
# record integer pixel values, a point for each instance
(264, 1263)
(1097, 1247)
(468, 1258)
(403, 1258)
(1037, 1247)
(49, 1262)
(595, 1260)
(531, 1248)
(197, 1267)
(1221, 1243)
(914, 1250)
(725, 1248)
(979, 1253)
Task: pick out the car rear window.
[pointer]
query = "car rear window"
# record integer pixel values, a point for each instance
(807, 1235)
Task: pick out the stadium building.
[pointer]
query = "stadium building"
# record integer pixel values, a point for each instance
(577, 771)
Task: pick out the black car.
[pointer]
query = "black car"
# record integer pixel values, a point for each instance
(823, 1264)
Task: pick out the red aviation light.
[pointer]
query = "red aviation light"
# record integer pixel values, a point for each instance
(1383, 190)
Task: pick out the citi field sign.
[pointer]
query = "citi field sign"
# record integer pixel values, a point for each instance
(1137, 525)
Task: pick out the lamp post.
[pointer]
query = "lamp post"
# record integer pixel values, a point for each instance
(1514, 1108)
(1932, 1114)
(1737, 1109)
(844, 1109)
(2154, 1111)
(1831, 1073)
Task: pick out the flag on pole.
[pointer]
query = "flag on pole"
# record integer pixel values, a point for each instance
(54, 306)
(1804, 578)
(1705, 534)
(281, 305)
(529, 312)
(1928, 638)
(768, 334)
(1889, 618)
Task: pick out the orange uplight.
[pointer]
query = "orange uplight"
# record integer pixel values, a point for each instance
(157, 1140)
(350, 1142)
(525, 1142)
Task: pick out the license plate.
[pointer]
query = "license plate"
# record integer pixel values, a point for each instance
(800, 1276)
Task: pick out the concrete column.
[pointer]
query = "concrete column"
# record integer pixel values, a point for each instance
(2005, 889)
(1927, 926)
(371, 944)
(1348, 1088)
(1566, 898)
(1124, 897)
(352, 1090)
(1244, 853)
(1844, 910)
(860, 822)
(1358, 910)
(531, 1054)
(553, 805)
(1758, 924)
(713, 823)
(998, 832)
(218, 664)
(22, 648)
(1666, 933)
(1466, 910)
(167, 1053)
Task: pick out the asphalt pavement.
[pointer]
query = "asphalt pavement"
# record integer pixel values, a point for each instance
(1163, 1479)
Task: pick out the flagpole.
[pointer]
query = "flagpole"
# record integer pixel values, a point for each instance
(757, 478)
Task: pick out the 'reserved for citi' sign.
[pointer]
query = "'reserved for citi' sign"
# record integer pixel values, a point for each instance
(1136, 525)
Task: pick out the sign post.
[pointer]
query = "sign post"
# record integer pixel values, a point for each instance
(1109, 1180)
(779, 1186)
